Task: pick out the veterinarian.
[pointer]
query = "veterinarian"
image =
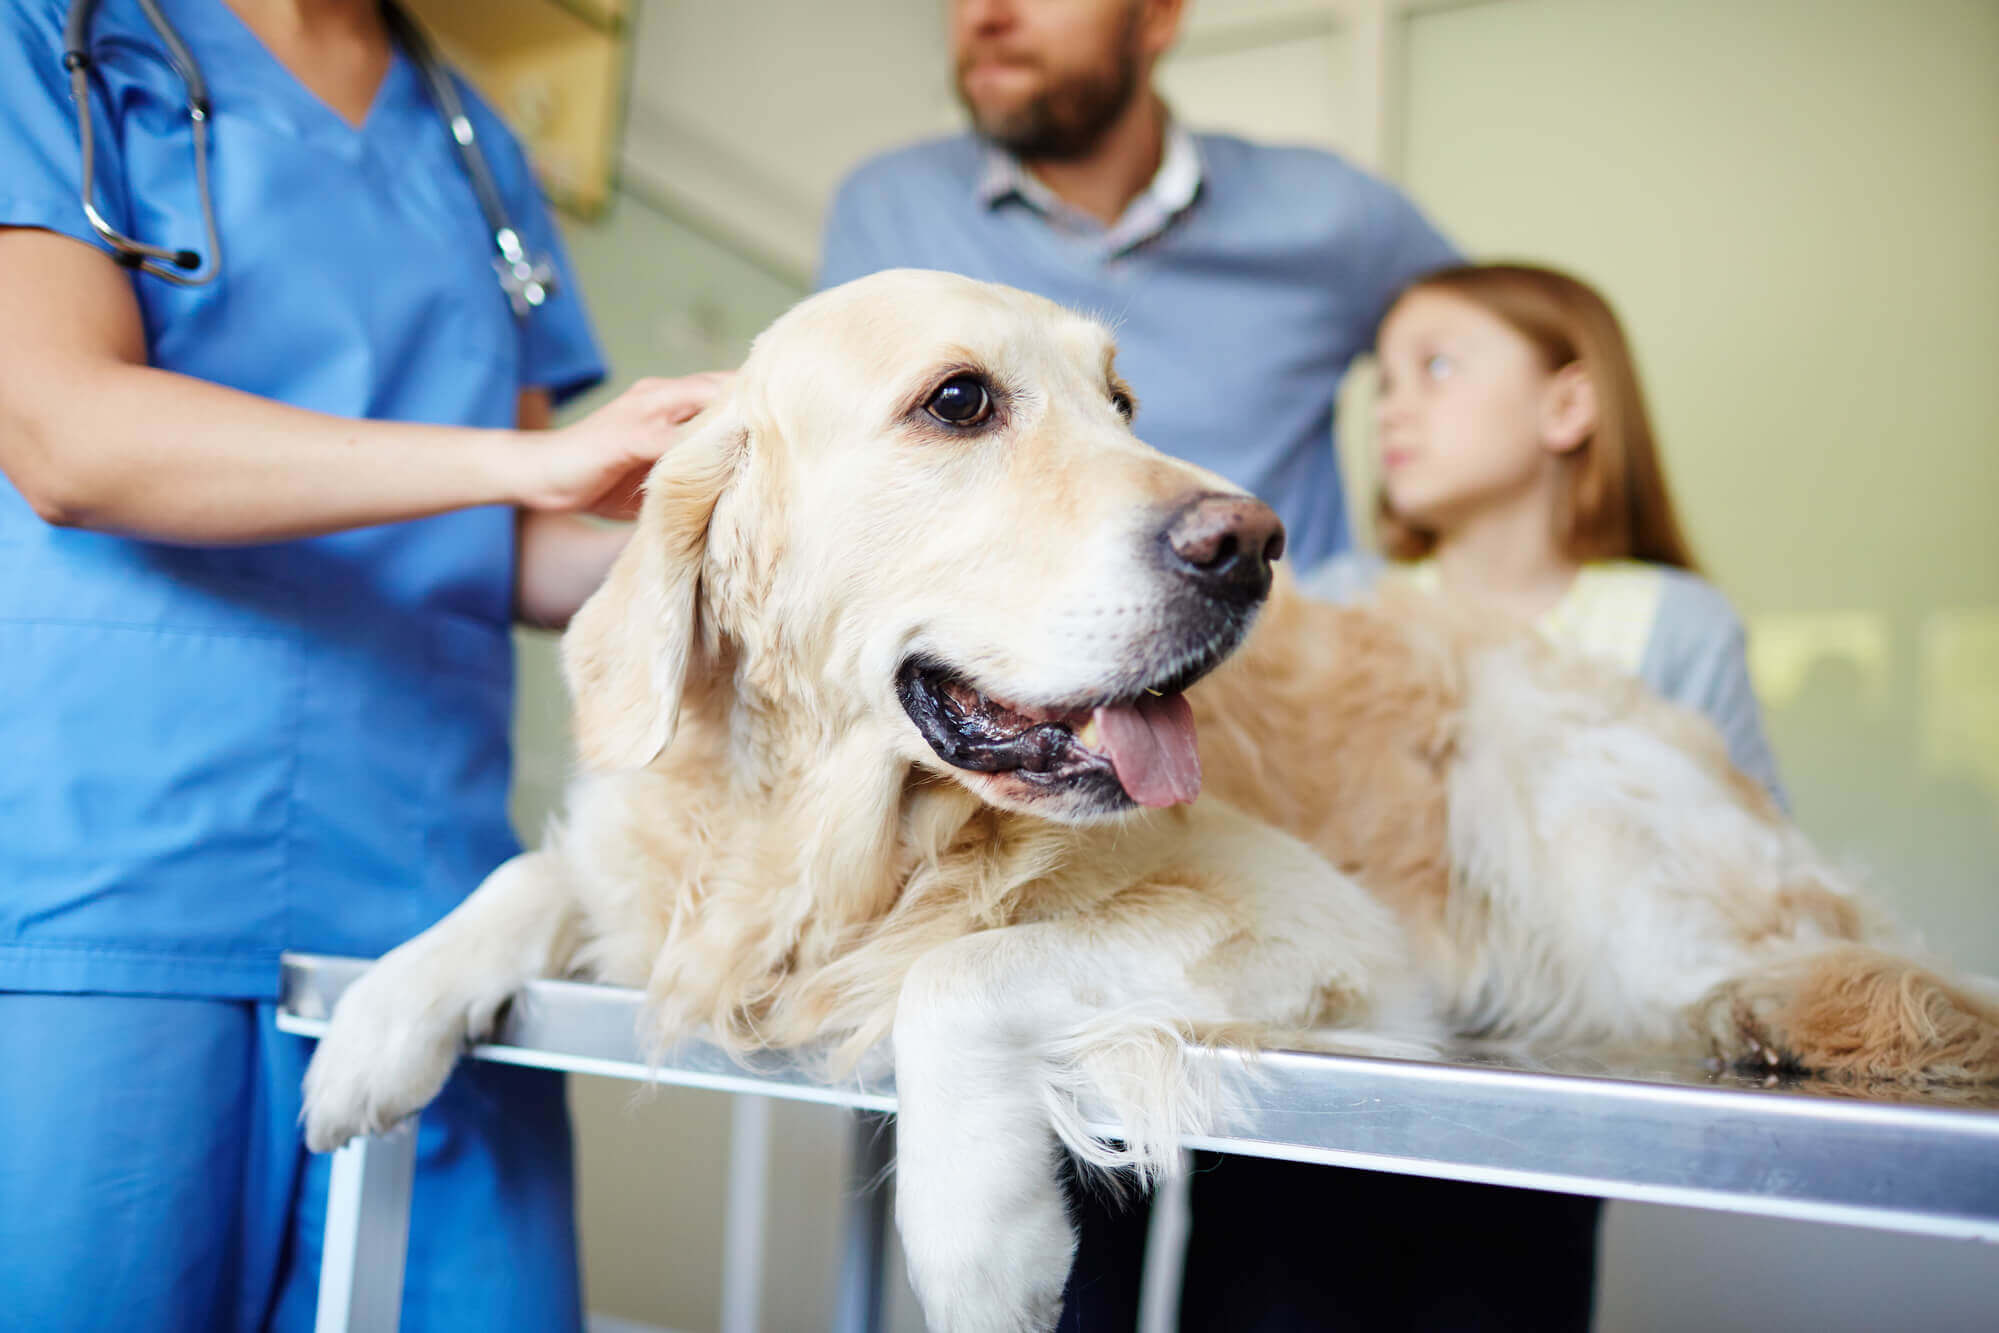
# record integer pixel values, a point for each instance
(268, 514)
(1242, 281)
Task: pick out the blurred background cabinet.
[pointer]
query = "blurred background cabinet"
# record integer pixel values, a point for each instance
(555, 71)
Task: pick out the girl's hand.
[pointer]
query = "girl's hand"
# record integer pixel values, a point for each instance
(597, 465)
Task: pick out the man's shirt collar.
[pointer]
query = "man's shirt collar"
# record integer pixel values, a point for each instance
(1171, 192)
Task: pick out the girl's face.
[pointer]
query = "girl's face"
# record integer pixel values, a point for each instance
(1467, 416)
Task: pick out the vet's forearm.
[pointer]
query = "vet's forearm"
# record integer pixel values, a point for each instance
(131, 449)
(562, 560)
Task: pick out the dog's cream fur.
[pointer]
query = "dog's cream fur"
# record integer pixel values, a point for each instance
(1414, 820)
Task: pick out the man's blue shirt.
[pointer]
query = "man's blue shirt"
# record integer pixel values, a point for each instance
(1238, 304)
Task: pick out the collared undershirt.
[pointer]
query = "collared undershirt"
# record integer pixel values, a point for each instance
(1668, 627)
(1171, 192)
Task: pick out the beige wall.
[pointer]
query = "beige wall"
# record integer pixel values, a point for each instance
(1793, 203)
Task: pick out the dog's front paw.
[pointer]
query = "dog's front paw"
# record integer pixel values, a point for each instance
(384, 1056)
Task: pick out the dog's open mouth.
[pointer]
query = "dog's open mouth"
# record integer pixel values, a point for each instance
(1144, 742)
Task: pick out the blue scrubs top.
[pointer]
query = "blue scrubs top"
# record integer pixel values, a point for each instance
(208, 755)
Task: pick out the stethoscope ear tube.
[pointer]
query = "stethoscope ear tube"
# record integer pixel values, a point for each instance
(182, 58)
(175, 266)
(76, 46)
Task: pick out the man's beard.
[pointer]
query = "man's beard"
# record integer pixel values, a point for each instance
(1065, 121)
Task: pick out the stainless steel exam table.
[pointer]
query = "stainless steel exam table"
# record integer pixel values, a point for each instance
(1673, 1134)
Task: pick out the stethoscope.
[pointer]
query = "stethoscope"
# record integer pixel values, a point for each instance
(528, 280)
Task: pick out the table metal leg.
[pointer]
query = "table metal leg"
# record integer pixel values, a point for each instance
(864, 1228)
(1166, 1250)
(367, 1233)
(745, 1214)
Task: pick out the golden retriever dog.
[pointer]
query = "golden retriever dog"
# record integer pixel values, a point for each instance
(889, 742)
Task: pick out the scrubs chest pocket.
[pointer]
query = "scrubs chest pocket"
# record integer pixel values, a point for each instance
(403, 791)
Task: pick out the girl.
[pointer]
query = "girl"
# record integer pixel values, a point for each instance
(1518, 468)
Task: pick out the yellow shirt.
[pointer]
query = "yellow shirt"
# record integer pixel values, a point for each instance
(1666, 626)
(1607, 614)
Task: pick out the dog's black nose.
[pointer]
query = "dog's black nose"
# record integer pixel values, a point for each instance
(1226, 542)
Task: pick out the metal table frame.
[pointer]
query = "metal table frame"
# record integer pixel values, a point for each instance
(1672, 1135)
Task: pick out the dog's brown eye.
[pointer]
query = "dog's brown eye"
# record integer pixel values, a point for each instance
(961, 400)
(1122, 402)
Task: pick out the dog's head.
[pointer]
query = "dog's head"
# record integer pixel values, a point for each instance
(921, 514)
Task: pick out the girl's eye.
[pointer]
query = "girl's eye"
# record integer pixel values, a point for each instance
(1439, 366)
(961, 400)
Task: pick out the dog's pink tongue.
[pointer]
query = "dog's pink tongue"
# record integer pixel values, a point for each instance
(1151, 746)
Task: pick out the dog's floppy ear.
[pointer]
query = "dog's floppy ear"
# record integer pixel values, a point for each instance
(626, 653)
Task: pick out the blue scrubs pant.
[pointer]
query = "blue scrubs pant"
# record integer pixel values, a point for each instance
(152, 1177)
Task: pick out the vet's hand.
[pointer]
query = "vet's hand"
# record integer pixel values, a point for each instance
(597, 465)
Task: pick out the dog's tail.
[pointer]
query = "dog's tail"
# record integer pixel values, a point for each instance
(1854, 1012)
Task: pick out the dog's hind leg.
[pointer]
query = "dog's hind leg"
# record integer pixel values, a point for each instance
(397, 1031)
(1857, 1013)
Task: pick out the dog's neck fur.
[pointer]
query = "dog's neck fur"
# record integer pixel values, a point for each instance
(843, 862)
